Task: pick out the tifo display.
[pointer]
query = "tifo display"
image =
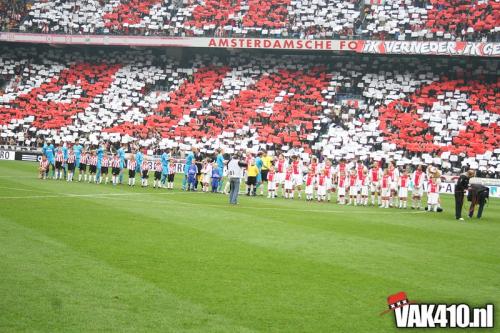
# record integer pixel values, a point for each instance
(397, 20)
(406, 109)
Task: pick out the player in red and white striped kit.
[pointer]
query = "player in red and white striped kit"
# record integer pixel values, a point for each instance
(394, 174)
(145, 173)
(418, 180)
(83, 167)
(297, 176)
(341, 169)
(71, 165)
(131, 166)
(115, 169)
(404, 183)
(171, 175)
(158, 169)
(313, 166)
(328, 170)
(385, 186)
(59, 163)
(92, 162)
(281, 167)
(105, 164)
(360, 174)
(374, 177)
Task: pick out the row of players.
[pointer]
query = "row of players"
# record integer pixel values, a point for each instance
(353, 181)
(94, 170)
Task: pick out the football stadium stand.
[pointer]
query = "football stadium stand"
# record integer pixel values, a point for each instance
(454, 20)
(409, 108)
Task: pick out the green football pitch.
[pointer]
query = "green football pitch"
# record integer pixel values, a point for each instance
(78, 257)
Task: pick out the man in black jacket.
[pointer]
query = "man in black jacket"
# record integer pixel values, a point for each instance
(198, 160)
(460, 187)
(478, 194)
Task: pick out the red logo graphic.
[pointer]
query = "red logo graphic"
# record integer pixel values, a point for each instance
(396, 301)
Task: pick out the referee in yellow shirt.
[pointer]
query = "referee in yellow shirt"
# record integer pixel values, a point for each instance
(266, 160)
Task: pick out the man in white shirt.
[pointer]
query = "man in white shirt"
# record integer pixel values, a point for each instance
(235, 173)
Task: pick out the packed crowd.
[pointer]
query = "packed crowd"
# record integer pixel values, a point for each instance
(390, 19)
(355, 182)
(12, 12)
(463, 20)
(410, 110)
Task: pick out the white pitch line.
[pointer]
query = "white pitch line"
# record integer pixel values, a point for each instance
(71, 195)
(32, 177)
(23, 189)
(272, 208)
(111, 195)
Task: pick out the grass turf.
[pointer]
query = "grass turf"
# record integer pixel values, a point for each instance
(83, 257)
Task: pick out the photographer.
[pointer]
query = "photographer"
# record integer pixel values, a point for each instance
(235, 174)
(460, 187)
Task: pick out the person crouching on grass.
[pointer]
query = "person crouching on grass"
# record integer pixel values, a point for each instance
(252, 173)
(132, 167)
(432, 194)
(145, 173)
(43, 168)
(216, 177)
(271, 183)
(158, 171)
